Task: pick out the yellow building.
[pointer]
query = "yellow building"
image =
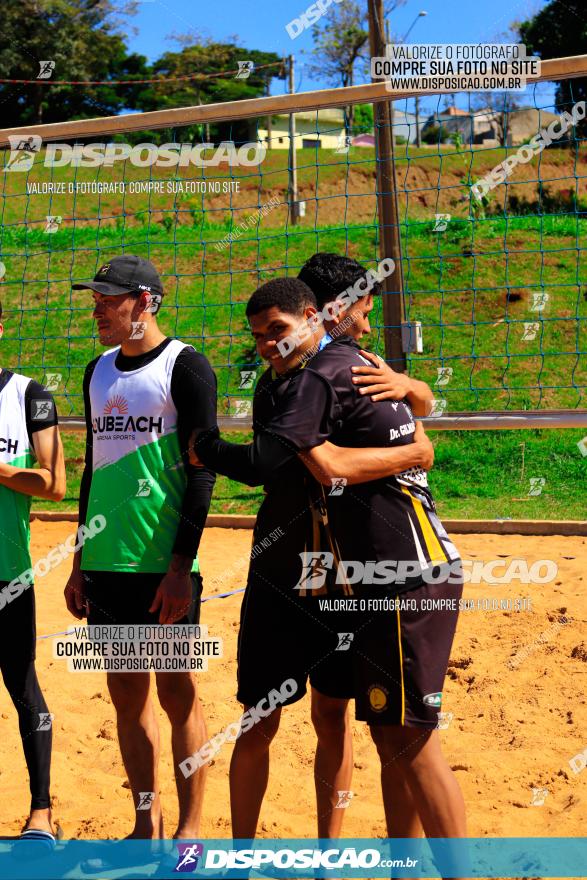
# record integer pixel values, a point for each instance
(314, 129)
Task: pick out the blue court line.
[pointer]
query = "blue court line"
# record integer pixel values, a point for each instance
(224, 595)
(52, 635)
(207, 599)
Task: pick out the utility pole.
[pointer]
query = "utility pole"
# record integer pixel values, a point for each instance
(269, 122)
(293, 173)
(386, 43)
(389, 231)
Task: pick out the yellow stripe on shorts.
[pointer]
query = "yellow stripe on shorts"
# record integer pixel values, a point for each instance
(401, 668)
(433, 545)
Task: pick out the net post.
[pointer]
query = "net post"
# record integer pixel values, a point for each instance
(389, 231)
(293, 172)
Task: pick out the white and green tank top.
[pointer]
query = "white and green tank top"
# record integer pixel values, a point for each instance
(138, 476)
(15, 449)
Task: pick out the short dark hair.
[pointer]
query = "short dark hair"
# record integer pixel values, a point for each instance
(288, 294)
(328, 275)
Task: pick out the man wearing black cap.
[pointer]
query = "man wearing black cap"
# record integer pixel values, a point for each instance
(143, 397)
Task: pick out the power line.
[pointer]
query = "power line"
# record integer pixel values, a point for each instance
(130, 82)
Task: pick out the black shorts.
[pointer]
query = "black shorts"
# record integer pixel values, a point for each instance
(18, 631)
(125, 597)
(400, 656)
(391, 660)
(284, 636)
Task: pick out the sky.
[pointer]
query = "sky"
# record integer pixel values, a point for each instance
(260, 24)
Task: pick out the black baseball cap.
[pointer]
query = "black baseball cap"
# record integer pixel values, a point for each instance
(125, 274)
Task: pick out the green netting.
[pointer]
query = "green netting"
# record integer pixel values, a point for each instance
(499, 288)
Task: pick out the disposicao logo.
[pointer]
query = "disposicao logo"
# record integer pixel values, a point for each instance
(24, 149)
(188, 856)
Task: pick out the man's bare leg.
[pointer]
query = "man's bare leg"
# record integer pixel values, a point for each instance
(401, 813)
(138, 736)
(249, 775)
(179, 698)
(333, 765)
(434, 788)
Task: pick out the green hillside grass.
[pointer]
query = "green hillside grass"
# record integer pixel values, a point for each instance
(471, 321)
(479, 474)
(471, 287)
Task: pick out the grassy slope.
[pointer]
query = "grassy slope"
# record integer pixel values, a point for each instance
(481, 474)
(470, 319)
(471, 287)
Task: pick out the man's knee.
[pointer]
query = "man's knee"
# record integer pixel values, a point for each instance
(261, 733)
(177, 695)
(329, 715)
(128, 691)
(389, 743)
(400, 746)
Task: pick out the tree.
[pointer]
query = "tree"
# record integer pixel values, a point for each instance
(559, 30)
(341, 41)
(82, 38)
(210, 59)
(435, 134)
(363, 118)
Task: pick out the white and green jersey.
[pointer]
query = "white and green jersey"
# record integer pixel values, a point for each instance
(15, 449)
(138, 478)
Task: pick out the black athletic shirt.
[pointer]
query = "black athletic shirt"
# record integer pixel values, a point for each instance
(256, 463)
(43, 405)
(388, 519)
(193, 389)
(288, 521)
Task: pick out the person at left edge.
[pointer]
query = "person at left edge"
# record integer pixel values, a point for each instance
(28, 432)
(142, 399)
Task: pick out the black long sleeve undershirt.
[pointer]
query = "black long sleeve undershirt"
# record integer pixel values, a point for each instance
(253, 463)
(193, 390)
